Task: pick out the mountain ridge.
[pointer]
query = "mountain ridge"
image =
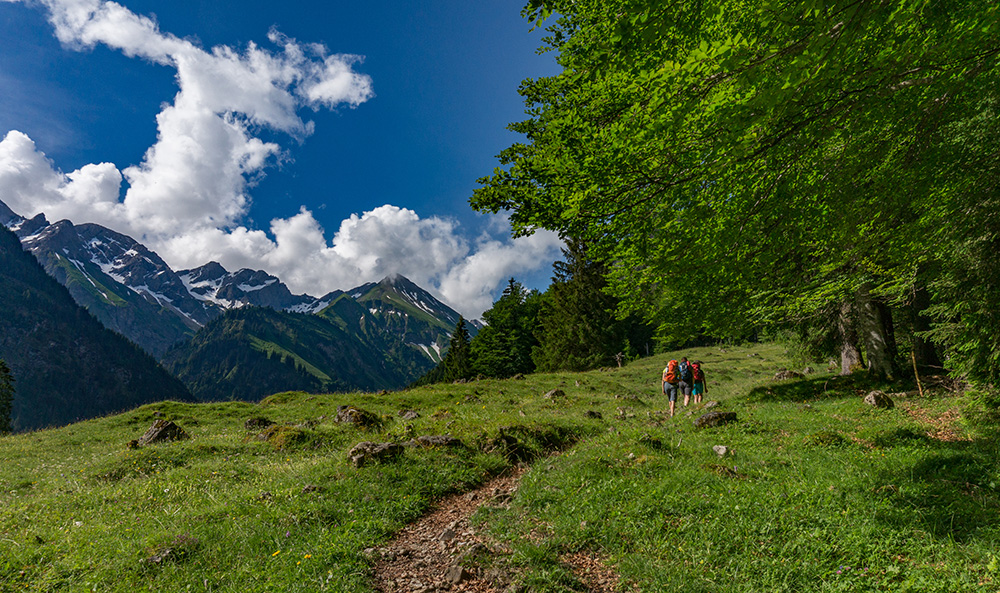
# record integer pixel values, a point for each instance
(66, 364)
(132, 291)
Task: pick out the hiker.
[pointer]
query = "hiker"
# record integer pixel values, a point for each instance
(699, 385)
(685, 378)
(670, 377)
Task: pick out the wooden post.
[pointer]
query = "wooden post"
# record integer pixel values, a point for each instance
(913, 357)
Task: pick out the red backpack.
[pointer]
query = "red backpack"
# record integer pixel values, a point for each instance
(670, 374)
(696, 370)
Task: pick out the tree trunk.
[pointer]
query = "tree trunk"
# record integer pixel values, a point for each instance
(875, 327)
(850, 354)
(924, 352)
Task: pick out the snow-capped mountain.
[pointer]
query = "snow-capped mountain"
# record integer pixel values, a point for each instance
(211, 283)
(131, 290)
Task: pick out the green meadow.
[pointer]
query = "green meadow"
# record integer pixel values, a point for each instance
(817, 491)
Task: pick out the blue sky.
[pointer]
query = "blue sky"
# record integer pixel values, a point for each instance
(329, 143)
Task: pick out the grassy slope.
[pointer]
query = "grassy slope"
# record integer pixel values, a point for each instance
(788, 512)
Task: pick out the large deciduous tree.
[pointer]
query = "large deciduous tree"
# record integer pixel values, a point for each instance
(746, 162)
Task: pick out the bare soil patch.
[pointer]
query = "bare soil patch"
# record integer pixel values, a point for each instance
(435, 553)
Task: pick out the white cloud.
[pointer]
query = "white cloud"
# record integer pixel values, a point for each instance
(188, 198)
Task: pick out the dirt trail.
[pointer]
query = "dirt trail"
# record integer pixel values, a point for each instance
(435, 553)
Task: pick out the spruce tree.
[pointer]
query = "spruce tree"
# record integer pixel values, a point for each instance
(457, 362)
(577, 329)
(503, 348)
(6, 398)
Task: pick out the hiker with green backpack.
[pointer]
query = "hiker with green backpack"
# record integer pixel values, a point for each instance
(685, 378)
(699, 385)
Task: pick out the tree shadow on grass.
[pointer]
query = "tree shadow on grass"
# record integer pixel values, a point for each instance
(823, 387)
(950, 490)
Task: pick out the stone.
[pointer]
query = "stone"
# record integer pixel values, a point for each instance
(714, 419)
(457, 574)
(555, 393)
(447, 535)
(366, 452)
(409, 414)
(785, 374)
(162, 430)
(593, 414)
(808, 371)
(257, 423)
(879, 399)
(710, 404)
(357, 417)
(428, 441)
(720, 450)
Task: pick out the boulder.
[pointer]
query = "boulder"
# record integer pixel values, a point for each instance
(409, 414)
(714, 419)
(879, 399)
(162, 430)
(365, 452)
(554, 394)
(357, 417)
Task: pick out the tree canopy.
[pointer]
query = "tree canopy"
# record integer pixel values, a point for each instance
(739, 162)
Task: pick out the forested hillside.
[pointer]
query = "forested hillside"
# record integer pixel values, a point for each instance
(66, 366)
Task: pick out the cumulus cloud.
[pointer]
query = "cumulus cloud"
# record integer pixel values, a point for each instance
(188, 198)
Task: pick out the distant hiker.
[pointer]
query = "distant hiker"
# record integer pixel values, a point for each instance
(670, 378)
(685, 378)
(699, 386)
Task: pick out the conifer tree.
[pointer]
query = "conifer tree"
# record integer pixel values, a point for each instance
(577, 329)
(6, 398)
(503, 348)
(457, 362)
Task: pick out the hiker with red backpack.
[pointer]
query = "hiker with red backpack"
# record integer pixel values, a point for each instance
(670, 379)
(699, 386)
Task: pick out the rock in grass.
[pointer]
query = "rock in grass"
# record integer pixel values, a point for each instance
(714, 419)
(720, 450)
(879, 399)
(162, 430)
(366, 452)
(283, 437)
(439, 440)
(257, 423)
(555, 394)
(409, 414)
(785, 374)
(357, 417)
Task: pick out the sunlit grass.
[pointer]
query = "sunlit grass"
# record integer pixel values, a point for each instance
(820, 492)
